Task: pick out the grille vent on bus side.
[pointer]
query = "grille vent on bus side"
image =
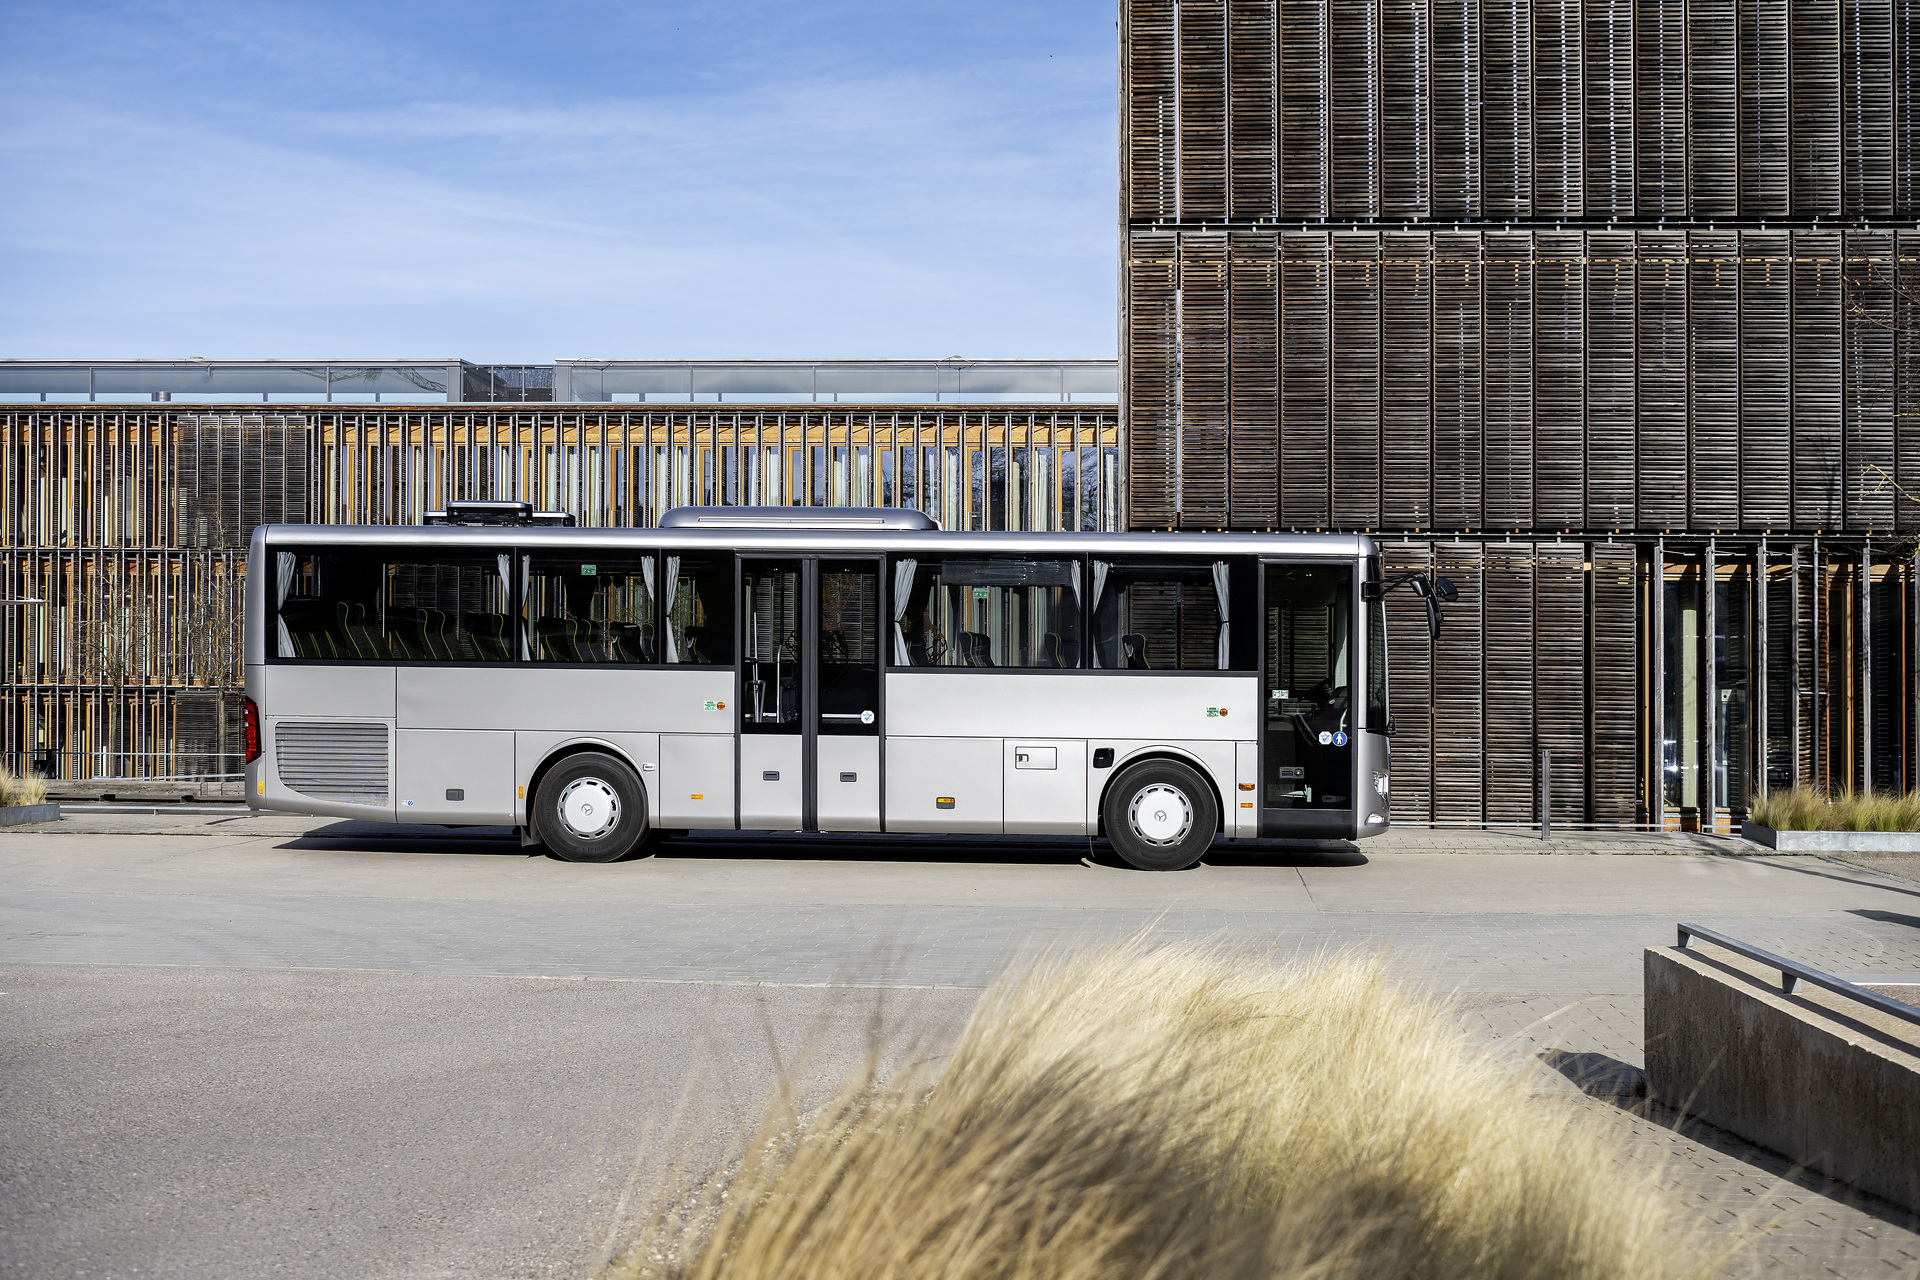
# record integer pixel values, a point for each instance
(333, 761)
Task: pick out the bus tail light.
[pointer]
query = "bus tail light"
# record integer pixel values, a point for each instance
(251, 714)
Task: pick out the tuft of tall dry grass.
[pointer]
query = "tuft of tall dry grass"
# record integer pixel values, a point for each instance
(1805, 808)
(16, 790)
(1176, 1112)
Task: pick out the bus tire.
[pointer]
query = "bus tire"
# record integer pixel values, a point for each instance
(1160, 815)
(591, 808)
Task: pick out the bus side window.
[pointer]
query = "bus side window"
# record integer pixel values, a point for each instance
(1166, 615)
(698, 595)
(999, 611)
(454, 608)
(591, 607)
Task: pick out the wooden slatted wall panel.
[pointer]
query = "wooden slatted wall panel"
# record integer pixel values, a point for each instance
(1509, 382)
(1613, 642)
(1354, 123)
(1610, 380)
(1713, 107)
(1714, 302)
(1459, 740)
(1304, 355)
(1560, 671)
(1816, 379)
(1410, 694)
(1766, 380)
(1405, 82)
(1253, 109)
(1766, 119)
(1866, 106)
(1456, 100)
(1868, 366)
(1457, 371)
(1906, 111)
(1254, 378)
(1559, 116)
(1406, 366)
(1609, 108)
(1507, 591)
(1507, 90)
(1662, 425)
(1152, 389)
(1660, 108)
(1356, 380)
(1814, 50)
(1303, 108)
(1203, 109)
(1906, 510)
(1149, 143)
(1560, 284)
(1203, 380)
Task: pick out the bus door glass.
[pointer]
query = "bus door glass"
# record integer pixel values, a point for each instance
(847, 695)
(1309, 719)
(772, 750)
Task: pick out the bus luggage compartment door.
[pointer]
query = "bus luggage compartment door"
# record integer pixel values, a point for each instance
(1045, 787)
(461, 776)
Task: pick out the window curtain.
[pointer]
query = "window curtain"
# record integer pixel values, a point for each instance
(1100, 568)
(903, 571)
(1223, 659)
(673, 595)
(284, 565)
(526, 594)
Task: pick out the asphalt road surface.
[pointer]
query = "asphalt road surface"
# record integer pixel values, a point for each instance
(243, 1046)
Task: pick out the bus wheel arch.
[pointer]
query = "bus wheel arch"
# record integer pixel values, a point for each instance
(1182, 848)
(616, 779)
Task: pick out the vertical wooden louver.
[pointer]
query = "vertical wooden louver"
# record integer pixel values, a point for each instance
(1713, 454)
(1816, 379)
(1410, 663)
(1356, 379)
(1712, 141)
(1353, 83)
(1459, 720)
(1613, 643)
(1560, 380)
(1152, 372)
(1457, 382)
(1507, 111)
(1906, 508)
(1766, 379)
(1559, 115)
(1866, 106)
(1203, 109)
(1867, 360)
(1660, 108)
(1253, 109)
(1201, 468)
(1509, 382)
(1814, 54)
(1406, 109)
(1766, 120)
(1303, 108)
(1406, 365)
(1609, 108)
(1457, 157)
(1559, 671)
(1253, 283)
(1507, 594)
(1661, 412)
(1304, 374)
(1151, 142)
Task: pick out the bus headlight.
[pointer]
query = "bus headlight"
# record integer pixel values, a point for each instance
(1380, 783)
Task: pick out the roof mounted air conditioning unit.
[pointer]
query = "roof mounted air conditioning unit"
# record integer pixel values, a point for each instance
(497, 512)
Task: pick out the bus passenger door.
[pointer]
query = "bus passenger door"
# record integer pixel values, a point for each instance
(772, 731)
(844, 695)
(1308, 719)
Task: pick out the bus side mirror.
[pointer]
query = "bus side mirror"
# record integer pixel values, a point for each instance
(1444, 588)
(1433, 618)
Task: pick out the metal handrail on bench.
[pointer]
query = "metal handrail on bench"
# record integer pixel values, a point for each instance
(1793, 973)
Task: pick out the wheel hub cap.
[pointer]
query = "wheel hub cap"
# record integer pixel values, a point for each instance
(1160, 814)
(589, 807)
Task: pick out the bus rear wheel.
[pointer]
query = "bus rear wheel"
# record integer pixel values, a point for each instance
(591, 808)
(1160, 815)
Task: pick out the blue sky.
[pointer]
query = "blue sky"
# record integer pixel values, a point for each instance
(518, 182)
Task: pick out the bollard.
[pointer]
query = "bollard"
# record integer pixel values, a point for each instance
(1546, 795)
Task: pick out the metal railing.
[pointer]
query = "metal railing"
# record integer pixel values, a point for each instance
(1793, 973)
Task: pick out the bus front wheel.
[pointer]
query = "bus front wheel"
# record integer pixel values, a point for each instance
(591, 808)
(1160, 815)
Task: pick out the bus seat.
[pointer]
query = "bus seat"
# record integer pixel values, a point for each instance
(1051, 654)
(976, 650)
(361, 641)
(1135, 647)
(693, 652)
(487, 634)
(433, 631)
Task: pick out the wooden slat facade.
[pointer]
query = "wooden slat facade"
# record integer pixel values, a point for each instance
(131, 525)
(1558, 298)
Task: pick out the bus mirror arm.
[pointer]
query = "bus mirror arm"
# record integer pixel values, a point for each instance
(1428, 588)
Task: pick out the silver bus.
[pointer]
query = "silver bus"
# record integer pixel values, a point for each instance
(840, 670)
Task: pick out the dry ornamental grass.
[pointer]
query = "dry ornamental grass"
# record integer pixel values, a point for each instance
(1803, 808)
(15, 790)
(1172, 1113)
